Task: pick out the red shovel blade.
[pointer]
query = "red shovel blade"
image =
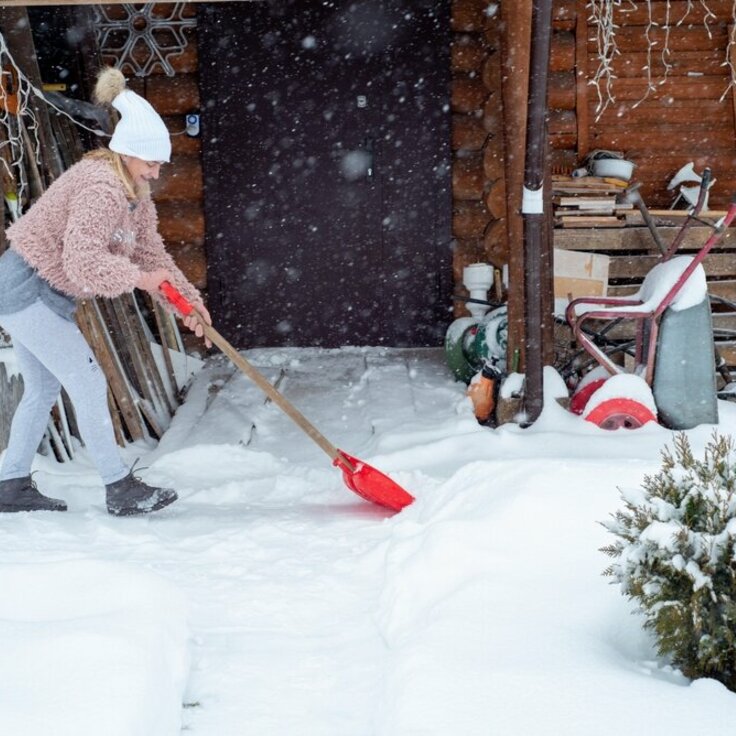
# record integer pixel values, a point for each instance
(371, 484)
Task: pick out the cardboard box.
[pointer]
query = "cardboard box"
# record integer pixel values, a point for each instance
(579, 274)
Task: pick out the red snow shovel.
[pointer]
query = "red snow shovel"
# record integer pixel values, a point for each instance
(366, 481)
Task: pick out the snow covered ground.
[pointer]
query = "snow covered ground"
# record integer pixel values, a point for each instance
(478, 610)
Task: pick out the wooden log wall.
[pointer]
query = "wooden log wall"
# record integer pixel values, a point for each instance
(478, 147)
(566, 81)
(490, 69)
(179, 192)
(682, 119)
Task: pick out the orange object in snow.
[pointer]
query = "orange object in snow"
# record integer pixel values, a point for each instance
(481, 392)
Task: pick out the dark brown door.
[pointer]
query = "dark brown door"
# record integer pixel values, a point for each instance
(326, 160)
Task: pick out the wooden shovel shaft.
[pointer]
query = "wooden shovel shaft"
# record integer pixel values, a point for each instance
(180, 303)
(262, 382)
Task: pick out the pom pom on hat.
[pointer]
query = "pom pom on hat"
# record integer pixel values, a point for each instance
(140, 132)
(110, 83)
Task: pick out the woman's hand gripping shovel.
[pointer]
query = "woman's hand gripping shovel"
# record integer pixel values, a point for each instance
(366, 481)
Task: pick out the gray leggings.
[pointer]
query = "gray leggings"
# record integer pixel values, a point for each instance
(51, 353)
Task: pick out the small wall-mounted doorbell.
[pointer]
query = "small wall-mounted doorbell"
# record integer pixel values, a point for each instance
(192, 123)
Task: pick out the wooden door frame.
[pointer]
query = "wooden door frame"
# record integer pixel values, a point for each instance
(33, 3)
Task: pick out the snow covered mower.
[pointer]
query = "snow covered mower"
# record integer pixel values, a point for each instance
(673, 379)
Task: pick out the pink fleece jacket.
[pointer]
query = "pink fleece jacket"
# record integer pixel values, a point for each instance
(83, 237)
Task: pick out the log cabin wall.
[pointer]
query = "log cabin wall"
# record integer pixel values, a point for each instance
(179, 192)
(662, 120)
(685, 115)
(680, 120)
(566, 84)
(478, 166)
(483, 138)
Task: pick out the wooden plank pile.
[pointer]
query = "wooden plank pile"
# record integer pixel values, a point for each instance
(589, 201)
(671, 218)
(632, 254)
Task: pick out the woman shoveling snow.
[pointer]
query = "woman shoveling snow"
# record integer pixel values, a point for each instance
(92, 233)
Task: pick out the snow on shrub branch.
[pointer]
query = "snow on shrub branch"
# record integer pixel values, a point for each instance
(675, 556)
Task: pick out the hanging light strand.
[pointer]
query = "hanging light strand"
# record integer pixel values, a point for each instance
(20, 127)
(730, 55)
(603, 14)
(14, 111)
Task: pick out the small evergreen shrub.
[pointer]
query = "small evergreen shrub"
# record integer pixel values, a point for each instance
(676, 557)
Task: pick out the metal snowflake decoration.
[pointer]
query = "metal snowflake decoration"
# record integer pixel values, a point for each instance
(147, 34)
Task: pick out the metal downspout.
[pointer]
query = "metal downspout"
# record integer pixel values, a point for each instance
(532, 207)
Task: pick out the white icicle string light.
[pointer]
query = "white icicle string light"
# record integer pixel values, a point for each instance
(14, 130)
(666, 53)
(730, 53)
(709, 14)
(603, 16)
(688, 10)
(13, 126)
(39, 93)
(650, 47)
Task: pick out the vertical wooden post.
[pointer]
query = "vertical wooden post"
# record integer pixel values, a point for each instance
(732, 60)
(16, 28)
(82, 19)
(516, 41)
(581, 77)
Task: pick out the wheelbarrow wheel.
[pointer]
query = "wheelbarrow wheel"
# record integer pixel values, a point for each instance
(624, 401)
(620, 413)
(580, 398)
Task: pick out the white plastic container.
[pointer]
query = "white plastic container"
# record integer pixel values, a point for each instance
(616, 168)
(477, 279)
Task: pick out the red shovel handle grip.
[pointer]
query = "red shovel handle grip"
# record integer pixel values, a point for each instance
(175, 298)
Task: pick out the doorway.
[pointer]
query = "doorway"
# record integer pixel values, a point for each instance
(326, 155)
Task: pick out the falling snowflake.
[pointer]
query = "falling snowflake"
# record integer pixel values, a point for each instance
(141, 35)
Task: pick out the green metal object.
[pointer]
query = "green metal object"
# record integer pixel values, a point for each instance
(459, 333)
(469, 342)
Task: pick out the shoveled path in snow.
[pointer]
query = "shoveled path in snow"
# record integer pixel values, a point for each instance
(282, 566)
(480, 609)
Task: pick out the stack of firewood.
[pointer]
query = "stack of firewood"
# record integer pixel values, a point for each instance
(589, 201)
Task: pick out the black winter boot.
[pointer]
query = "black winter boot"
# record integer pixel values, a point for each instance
(130, 496)
(21, 494)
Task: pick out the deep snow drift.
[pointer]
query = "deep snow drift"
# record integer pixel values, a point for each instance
(478, 610)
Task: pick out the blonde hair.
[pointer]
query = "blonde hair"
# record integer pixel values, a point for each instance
(132, 192)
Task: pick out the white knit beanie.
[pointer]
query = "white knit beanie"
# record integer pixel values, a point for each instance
(140, 132)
